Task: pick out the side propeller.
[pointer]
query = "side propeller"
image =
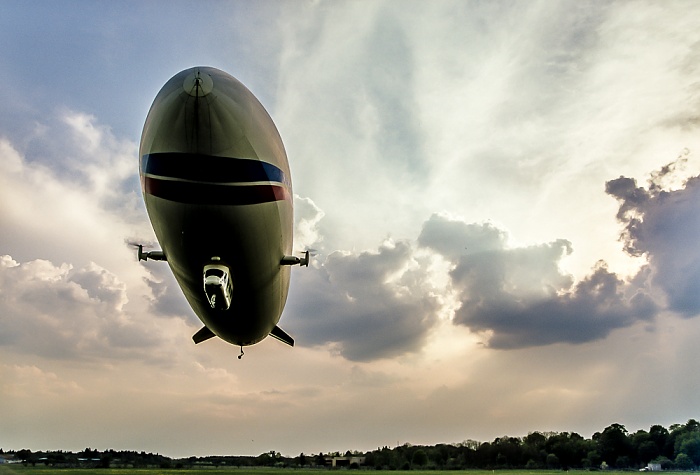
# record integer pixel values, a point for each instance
(294, 260)
(145, 255)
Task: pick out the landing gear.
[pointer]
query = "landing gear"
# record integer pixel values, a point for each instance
(241, 355)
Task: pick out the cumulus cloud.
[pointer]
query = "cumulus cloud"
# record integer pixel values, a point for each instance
(76, 187)
(370, 305)
(56, 311)
(384, 303)
(664, 225)
(515, 296)
(66, 273)
(521, 296)
(307, 217)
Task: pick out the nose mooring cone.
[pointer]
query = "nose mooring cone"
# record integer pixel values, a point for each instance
(198, 84)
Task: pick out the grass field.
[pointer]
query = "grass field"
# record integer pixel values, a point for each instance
(21, 470)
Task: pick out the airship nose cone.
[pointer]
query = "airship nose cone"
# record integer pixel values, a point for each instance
(198, 84)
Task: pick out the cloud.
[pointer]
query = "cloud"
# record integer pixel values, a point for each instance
(516, 297)
(664, 226)
(307, 217)
(76, 186)
(26, 381)
(520, 295)
(454, 238)
(346, 109)
(71, 288)
(66, 313)
(521, 298)
(370, 305)
(167, 299)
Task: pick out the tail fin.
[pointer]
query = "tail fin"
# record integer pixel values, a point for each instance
(282, 336)
(203, 335)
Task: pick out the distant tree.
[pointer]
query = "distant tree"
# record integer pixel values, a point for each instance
(640, 439)
(420, 458)
(470, 444)
(570, 448)
(105, 461)
(613, 443)
(659, 435)
(508, 450)
(534, 448)
(440, 454)
(678, 433)
(483, 457)
(683, 462)
(552, 461)
(24, 455)
(692, 425)
(623, 461)
(592, 459)
(647, 451)
(535, 440)
(320, 459)
(689, 444)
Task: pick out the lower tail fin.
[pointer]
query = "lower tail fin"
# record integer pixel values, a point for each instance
(282, 336)
(203, 335)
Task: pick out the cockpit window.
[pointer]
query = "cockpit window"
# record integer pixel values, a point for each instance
(218, 286)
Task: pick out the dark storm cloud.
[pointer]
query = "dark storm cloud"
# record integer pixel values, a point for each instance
(453, 239)
(521, 295)
(371, 305)
(664, 226)
(596, 306)
(60, 312)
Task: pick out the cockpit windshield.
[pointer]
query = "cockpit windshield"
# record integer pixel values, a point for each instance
(218, 286)
(215, 272)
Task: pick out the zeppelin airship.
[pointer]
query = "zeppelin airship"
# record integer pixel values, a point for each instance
(218, 192)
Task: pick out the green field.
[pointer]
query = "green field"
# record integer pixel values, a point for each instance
(21, 470)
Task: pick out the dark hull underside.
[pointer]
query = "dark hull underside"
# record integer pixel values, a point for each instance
(247, 239)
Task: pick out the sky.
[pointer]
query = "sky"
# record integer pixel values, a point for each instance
(502, 196)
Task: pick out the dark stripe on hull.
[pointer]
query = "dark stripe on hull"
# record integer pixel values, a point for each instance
(211, 180)
(214, 194)
(209, 168)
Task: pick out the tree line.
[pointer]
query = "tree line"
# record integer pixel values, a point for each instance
(677, 447)
(88, 458)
